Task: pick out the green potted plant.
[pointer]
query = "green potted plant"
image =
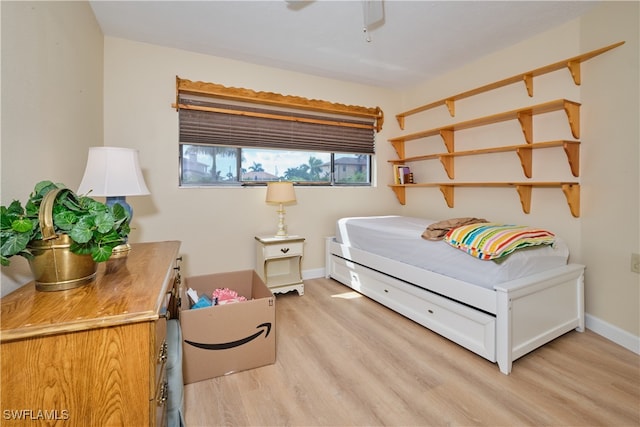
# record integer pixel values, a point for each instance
(90, 228)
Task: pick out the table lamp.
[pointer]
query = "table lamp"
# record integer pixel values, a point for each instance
(280, 192)
(114, 173)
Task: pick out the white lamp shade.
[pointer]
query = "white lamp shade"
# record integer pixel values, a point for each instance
(113, 171)
(280, 192)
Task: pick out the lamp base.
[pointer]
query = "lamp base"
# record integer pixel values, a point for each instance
(282, 228)
(121, 251)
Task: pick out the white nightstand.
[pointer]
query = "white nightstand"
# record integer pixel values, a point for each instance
(278, 262)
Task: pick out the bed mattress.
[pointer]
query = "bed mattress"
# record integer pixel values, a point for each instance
(400, 238)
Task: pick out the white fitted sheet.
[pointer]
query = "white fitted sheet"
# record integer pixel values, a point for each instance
(400, 238)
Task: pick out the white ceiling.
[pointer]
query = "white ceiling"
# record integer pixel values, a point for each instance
(416, 41)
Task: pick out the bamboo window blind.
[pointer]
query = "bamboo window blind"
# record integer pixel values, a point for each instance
(217, 115)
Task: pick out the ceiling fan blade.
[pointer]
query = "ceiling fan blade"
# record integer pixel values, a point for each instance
(373, 11)
(298, 4)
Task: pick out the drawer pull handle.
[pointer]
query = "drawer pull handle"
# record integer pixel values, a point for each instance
(284, 250)
(162, 355)
(163, 394)
(430, 311)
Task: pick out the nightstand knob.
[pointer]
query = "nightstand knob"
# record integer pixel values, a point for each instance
(284, 250)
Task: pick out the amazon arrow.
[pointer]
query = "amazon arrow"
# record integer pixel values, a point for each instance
(232, 344)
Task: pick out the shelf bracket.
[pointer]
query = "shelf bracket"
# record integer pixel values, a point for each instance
(447, 137)
(526, 159)
(447, 192)
(573, 156)
(573, 114)
(572, 193)
(528, 82)
(400, 194)
(524, 191)
(399, 147)
(526, 123)
(447, 162)
(451, 106)
(574, 69)
(400, 119)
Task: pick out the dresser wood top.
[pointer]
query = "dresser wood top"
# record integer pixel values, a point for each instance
(126, 290)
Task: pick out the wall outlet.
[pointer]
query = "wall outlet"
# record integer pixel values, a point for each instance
(635, 263)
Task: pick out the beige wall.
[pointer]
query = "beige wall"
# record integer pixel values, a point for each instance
(607, 231)
(52, 62)
(217, 225)
(611, 125)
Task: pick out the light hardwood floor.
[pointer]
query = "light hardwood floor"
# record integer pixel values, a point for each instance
(344, 360)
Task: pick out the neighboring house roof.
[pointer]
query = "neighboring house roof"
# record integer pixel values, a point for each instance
(351, 161)
(258, 176)
(348, 161)
(194, 166)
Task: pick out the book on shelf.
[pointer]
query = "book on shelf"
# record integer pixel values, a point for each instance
(396, 173)
(402, 174)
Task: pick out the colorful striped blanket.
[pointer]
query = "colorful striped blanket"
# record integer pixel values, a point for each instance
(491, 240)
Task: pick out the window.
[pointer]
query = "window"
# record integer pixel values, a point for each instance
(203, 165)
(231, 141)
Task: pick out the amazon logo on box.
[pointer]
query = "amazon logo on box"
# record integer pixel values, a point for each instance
(228, 338)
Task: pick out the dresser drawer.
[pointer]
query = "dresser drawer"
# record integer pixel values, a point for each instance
(283, 250)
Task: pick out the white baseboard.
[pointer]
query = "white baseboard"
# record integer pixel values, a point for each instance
(316, 273)
(613, 333)
(600, 327)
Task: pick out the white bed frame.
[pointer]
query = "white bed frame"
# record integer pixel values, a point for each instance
(500, 324)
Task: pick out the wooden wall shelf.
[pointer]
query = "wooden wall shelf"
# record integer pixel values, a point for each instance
(523, 115)
(572, 64)
(524, 151)
(571, 191)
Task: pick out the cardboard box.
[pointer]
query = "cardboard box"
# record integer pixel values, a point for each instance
(228, 338)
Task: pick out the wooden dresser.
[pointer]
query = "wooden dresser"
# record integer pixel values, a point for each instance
(94, 355)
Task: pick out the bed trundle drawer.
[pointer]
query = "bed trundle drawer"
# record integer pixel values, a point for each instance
(469, 327)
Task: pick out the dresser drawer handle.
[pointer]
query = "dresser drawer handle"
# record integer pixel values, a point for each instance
(162, 354)
(284, 250)
(163, 394)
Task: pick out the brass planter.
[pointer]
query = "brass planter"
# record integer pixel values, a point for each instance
(54, 266)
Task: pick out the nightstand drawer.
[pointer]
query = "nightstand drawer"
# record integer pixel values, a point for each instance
(288, 249)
